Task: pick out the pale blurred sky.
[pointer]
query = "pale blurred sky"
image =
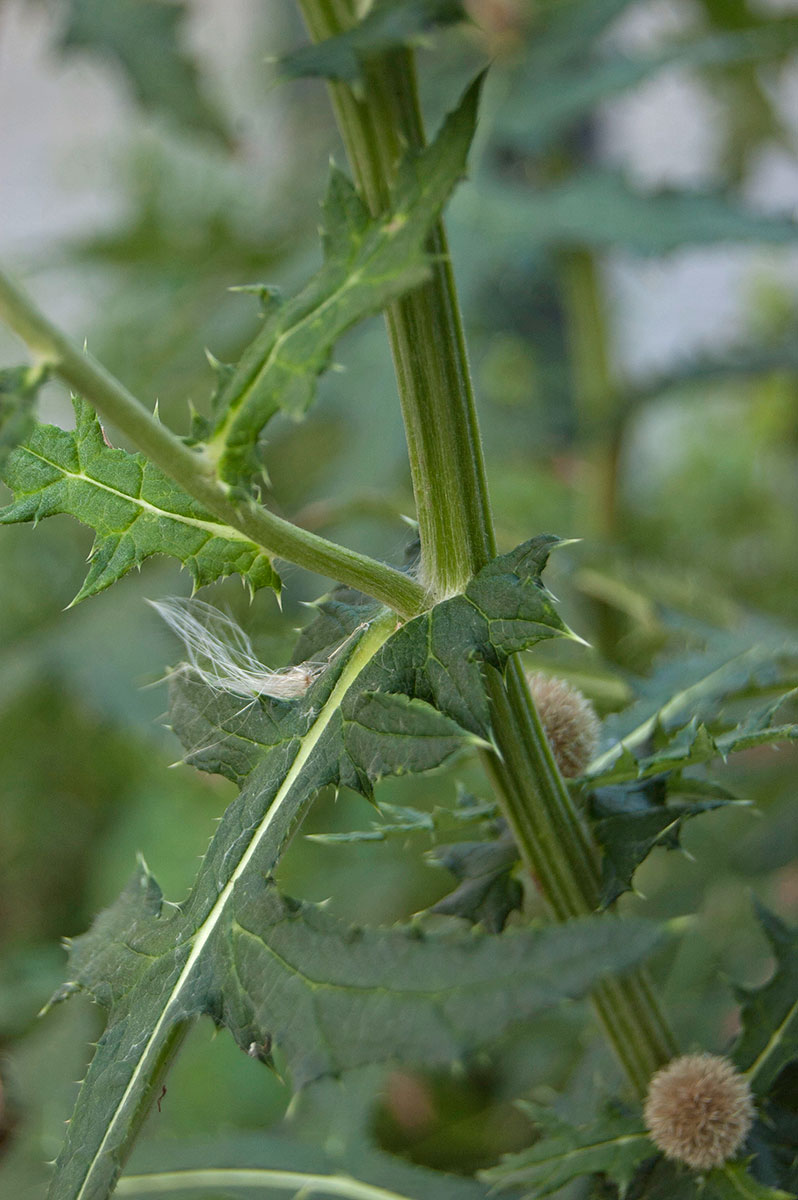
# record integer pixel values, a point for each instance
(67, 122)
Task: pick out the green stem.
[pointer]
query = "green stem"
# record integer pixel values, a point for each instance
(188, 467)
(449, 481)
(425, 328)
(591, 375)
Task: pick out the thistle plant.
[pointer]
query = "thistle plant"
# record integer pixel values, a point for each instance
(401, 671)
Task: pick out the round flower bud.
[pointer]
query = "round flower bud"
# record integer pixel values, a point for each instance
(569, 722)
(699, 1110)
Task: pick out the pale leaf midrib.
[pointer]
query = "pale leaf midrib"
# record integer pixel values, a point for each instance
(773, 1041)
(216, 528)
(261, 1177)
(370, 643)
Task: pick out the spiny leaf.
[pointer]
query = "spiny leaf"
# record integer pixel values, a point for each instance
(334, 998)
(629, 822)
(694, 743)
(769, 1038)
(350, 727)
(19, 387)
(134, 509)
(613, 1146)
(143, 37)
(368, 263)
(400, 820)
(671, 1181)
(597, 207)
(674, 721)
(389, 25)
(487, 892)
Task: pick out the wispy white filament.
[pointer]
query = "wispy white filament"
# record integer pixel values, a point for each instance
(221, 653)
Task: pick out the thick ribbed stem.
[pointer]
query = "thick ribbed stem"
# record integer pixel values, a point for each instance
(457, 538)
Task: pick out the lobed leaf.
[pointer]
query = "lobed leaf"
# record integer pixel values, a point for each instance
(487, 891)
(769, 1015)
(388, 700)
(676, 719)
(135, 510)
(368, 263)
(629, 822)
(613, 1146)
(733, 1181)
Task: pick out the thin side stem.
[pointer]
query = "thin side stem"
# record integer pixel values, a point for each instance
(425, 330)
(187, 466)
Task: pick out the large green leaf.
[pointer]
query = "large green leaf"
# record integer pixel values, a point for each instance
(613, 1146)
(387, 701)
(336, 1114)
(769, 1037)
(143, 37)
(368, 263)
(134, 509)
(389, 25)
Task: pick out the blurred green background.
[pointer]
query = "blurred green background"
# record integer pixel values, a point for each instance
(626, 251)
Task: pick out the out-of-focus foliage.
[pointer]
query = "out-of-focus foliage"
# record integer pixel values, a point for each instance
(686, 477)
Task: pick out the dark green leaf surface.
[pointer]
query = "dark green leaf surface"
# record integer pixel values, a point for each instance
(250, 1167)
(19, 387)
(389, 25)
(487, 892)
(769, 1038)
(629, 822)
(367, 264)
(143, 37)
(134, 509)
(613, 1146)
(386, 702)
(671, 1181)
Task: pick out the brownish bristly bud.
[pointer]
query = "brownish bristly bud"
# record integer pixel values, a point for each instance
(699, 1110)
(569, 722)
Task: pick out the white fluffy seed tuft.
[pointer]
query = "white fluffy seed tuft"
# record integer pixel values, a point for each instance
(699, 1110)
(221, 653)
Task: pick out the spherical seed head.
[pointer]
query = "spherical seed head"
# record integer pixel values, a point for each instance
(699, 1110)
(569, 722)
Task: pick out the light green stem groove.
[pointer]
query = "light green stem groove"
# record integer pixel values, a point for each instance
(188, 468)
(449, 482)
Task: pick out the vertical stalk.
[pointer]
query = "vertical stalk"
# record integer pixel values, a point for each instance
(591, 377)
(446, 461)
(425, 329)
